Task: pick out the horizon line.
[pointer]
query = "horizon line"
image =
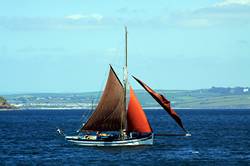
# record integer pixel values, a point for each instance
(95, 91)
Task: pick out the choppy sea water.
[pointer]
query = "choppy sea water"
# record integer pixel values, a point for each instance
(219, 137)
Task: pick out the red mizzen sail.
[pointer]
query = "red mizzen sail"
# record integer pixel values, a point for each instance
(163, 102)
(136, 118)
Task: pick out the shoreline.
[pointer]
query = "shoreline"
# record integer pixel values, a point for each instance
(146, 108)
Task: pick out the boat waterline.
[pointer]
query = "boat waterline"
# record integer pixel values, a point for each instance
(127, 142)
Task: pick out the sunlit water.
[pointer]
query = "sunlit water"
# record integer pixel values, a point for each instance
(219, 137)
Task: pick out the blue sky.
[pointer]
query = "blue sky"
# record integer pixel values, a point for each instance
(66, 46)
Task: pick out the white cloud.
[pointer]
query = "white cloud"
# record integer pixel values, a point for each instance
(112, 51)
(195, 22)
(228, 12)
(49, 23)
(232, 2)
(74, 17)
(96, 17)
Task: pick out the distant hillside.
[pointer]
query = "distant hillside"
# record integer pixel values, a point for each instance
(215, 97)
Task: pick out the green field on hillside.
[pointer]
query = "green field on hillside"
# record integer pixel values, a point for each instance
(202, 98)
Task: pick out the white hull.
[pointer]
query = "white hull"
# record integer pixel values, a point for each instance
(127, 142)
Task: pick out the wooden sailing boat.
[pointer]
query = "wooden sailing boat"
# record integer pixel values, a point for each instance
(113, 123)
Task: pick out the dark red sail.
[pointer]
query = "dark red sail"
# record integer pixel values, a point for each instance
(110, 113)
(163, 102)
(136, 118)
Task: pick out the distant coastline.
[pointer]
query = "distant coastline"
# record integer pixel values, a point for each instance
(212, 98)
(146, 109)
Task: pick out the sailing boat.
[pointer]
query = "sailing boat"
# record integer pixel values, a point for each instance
(113, 123)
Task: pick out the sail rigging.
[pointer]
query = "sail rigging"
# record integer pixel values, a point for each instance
(107, 116)
(136, 118)
(112, 115)
(163, 102)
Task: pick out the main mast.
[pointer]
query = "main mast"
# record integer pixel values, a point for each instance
(125, 81)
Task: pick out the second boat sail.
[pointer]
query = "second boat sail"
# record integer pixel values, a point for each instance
(115, 124)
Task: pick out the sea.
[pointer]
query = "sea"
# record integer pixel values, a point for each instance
(218, 137)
